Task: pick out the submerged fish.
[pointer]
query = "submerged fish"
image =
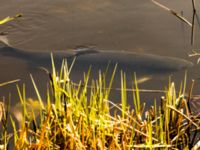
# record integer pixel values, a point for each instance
(129, 62)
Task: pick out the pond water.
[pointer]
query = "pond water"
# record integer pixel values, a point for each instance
(129, 25)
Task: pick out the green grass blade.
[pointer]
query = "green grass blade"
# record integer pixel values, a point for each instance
(37, 92)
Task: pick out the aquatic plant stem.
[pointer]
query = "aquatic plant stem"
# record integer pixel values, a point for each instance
(173, 12)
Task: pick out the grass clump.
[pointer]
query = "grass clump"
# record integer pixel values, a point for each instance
(78, 117)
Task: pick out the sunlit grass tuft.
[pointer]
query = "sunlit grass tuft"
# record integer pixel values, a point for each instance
(78, 117)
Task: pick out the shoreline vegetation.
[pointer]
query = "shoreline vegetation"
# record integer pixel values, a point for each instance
(77, 117)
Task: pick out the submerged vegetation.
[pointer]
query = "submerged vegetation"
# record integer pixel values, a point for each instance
(77, 117)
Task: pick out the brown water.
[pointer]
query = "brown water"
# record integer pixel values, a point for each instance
(130, 25)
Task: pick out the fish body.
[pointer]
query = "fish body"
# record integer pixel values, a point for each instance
(129, 62)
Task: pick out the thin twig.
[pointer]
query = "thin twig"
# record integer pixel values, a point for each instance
(183, 115)
(127, 89)
(193, 6)
(173, 12)
(124, 112)
(194, 53)
(193, 22)
(131, 127)
(9, 82)
(193, 28)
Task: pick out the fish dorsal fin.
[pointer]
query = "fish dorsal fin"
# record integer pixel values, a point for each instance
(85, 50)
(4, 41)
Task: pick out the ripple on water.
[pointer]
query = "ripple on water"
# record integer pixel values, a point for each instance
(29, 28)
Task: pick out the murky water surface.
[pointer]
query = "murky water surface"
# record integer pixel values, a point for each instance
(129, 25)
